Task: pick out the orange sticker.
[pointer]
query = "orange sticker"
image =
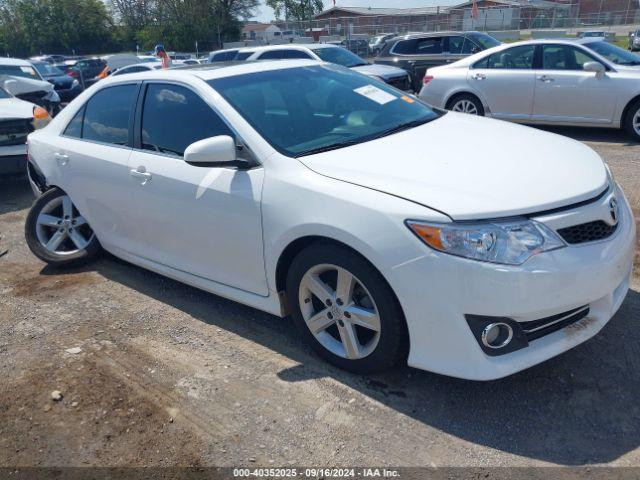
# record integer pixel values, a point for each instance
(407, 99)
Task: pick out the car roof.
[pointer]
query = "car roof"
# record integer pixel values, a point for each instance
(210, 71)
(413, 35)
(290, 46)
(14, 62)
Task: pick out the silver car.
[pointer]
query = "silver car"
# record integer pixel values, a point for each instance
(581, 82)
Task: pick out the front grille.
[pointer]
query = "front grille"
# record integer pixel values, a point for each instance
(539, 328)
(401, 83)
(587, 232)
(14, 132)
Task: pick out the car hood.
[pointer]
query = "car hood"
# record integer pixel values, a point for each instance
(15, 108)
(382, 71)
(471, 168)
(21, 85)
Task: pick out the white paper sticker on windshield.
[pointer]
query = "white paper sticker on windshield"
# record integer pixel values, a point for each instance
(375, 94)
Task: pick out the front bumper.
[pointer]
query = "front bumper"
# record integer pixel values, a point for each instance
(437, 290)
(13, 159)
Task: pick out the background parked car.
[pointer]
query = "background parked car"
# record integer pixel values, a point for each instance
(138, 67)
(23, 81)
(417, 52)
(223, 55)
(377, 42)
(634, 40)
(333, 54)
(66, 86)
(555, 82)
(85, 70)
(17, 120)
(49, 58)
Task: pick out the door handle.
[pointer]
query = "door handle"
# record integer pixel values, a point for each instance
(545, 79)
(479, 76)
(61, 158)
(140, 173)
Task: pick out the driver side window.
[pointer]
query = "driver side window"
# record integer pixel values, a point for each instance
(174, 117)
(564, 57)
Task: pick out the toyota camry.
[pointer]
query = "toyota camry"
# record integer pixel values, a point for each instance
(306, 189)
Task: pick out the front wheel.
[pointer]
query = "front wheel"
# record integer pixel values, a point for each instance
(466, 103)
(345, 309)
(57, 233)
(631, 122)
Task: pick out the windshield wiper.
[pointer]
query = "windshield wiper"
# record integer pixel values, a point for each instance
(327, 148)
(402, 127)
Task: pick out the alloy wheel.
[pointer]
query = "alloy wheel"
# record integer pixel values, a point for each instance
(61, 229)
(465, 106)
(636, 122)
(339, 311)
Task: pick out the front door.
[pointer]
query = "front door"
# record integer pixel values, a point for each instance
(565, 92)
(201, 220)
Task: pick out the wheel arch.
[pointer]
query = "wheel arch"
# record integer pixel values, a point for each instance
(299, 244)
(626, 108)
(452, 96)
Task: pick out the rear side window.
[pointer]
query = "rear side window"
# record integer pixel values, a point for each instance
(108, 114)
(74, 129)
(516, 58)
(174, 117)
(420, 46)
(271, 55)
(295, 54)
(242, 55)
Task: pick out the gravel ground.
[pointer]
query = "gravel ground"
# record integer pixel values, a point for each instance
(170, 375)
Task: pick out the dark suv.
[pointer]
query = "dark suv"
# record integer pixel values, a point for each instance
(417, 52)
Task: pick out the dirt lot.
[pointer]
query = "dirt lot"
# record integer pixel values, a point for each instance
(170, 375)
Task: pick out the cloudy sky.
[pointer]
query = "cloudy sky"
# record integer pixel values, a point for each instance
(265, 13)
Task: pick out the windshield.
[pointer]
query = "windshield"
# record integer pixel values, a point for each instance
(25, 71)
(340, 56)
(4, 93)
(312, 109)
(613, 53)
(486, 41)
(47, 70)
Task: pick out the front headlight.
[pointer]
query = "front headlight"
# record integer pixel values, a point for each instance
(506, 242)
(41, 118)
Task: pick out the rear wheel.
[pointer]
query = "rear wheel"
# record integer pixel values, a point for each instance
(466, 103)
(57, 233)
(631, 122)
(345, 310)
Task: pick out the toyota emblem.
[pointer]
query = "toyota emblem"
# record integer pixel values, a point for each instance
(613, 210)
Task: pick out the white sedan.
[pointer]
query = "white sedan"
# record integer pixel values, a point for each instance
(305, 188)
(588, 82)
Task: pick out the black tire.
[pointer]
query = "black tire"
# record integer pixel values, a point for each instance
(627, 122)
(392, 345)
(468, 97)
(74, 257)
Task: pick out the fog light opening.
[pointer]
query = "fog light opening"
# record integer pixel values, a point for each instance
(497, 335)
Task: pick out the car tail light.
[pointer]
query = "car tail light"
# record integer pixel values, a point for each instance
(427, 79)
(72, 73)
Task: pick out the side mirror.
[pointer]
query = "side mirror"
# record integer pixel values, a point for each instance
(217, 151)
(595, 67)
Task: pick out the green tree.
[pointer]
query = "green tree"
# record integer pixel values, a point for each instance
(54, 26)
(297, 10)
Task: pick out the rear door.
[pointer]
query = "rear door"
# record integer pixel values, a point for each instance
(565, 92)
(505, 81)
(92, 156)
